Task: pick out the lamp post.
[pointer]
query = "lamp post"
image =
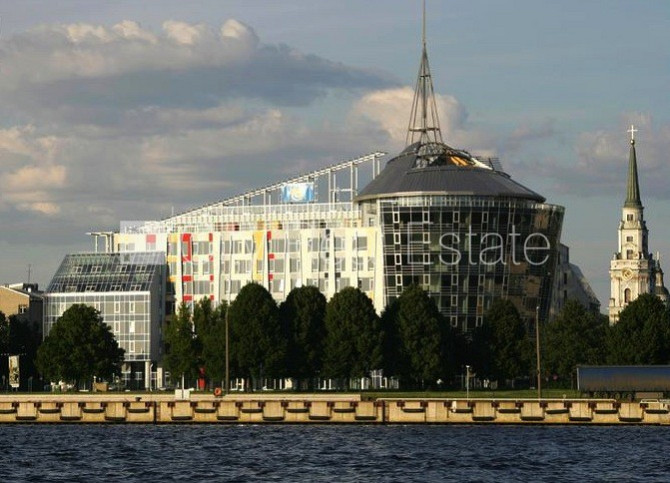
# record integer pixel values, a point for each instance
(537, 351)
(227, 388)
(467, 382)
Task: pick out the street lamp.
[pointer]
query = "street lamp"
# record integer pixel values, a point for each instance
(537, 351)
(227, 388)
(467, 382)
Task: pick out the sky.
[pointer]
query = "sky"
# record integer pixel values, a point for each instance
(128, 110)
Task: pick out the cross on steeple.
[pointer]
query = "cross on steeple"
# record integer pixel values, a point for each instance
(632, 132)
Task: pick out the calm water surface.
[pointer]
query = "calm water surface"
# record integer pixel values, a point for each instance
(333, 453)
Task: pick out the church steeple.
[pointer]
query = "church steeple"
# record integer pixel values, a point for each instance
(633, 185)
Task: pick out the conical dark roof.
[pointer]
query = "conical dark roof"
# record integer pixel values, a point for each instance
(451, 172)
(633, 185)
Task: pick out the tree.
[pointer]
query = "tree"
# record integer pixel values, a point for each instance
(302, 315)
(181, 346)
(212, 335)
(642, 335)
(502, 346)
(576, 336)
(353, 344)
(79, 346)
(257, 344)
(418, 328)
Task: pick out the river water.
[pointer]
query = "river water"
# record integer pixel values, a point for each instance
(111, 453)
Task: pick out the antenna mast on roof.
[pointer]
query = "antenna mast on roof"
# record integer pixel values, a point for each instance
(423, 119)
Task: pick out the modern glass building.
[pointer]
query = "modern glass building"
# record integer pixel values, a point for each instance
(464, 231)
(128, 289)
(435, 216)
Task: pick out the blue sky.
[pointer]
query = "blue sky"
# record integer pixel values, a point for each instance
(123, 110)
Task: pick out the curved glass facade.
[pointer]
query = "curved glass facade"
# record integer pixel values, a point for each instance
(467, 251)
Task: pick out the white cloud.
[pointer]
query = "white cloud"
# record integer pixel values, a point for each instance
(600, 165)
(390, 110)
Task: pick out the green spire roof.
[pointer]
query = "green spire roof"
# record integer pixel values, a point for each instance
(633, 186)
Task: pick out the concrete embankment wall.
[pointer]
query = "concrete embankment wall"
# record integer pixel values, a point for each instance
(333, 409)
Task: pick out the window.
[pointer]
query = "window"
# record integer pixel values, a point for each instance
(117, 307)
(360, 243)
(456, 216)
(426, 238)
(480, 321)
(294, 245)
(629, 217)
(398, 280)
(277, 265)
(96, 269)
(396, 238)
(398, 259)
(629, 239)
(396, 217)
(278, 245)
(629, 254)
(626, 295)
(131, 310)
(454, 321)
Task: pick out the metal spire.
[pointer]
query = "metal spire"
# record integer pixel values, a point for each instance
(424, 119)
(633, 185)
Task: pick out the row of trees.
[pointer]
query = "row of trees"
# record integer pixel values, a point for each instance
(576, 336)
(307, 337)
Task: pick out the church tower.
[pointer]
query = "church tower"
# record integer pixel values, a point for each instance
(632, 267)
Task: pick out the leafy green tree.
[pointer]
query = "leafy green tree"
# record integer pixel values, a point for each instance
(303, 319)
(642, 334)
(79, 346)
(181, 346)
(257, 345)
(502, 347)
(354, 338)
(212, 336)
(419, 330)
(576, 336)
